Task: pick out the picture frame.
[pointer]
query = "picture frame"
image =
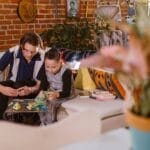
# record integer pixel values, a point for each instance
(73, 8)
(131, 13)
(148, 7)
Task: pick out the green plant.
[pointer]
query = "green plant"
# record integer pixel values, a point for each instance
(76, 36)
(141, 32)
(144, 108)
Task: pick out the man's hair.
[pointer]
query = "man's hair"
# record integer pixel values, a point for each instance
(52, 54)
(30, 38)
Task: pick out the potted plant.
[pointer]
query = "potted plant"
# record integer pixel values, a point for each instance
(138, 115)
(132, 66)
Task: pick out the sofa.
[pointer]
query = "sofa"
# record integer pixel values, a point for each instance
(52, 137)
(110, 112)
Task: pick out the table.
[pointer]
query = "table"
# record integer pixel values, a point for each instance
(118, 139)
(22, 115)
(24, 103)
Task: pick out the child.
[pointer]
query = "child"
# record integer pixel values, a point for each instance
(59, 77)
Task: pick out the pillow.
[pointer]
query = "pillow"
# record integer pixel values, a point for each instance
(114, 86)
(106, 80)
(83, 80)
(99, 78)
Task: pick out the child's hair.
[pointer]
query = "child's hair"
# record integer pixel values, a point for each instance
(53, 54)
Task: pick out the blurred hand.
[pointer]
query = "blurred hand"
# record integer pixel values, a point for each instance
(53, 96)
(128, 60)
(111, 57)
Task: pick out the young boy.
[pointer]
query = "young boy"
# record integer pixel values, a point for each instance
(59, 77)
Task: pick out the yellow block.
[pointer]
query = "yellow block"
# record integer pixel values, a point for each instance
(83, 80)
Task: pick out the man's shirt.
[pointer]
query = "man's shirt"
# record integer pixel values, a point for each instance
(25, 69)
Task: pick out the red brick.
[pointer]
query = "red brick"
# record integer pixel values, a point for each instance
(6, 37)
(11, 17)
(16, 36)
(39, 30)
(11, 26)
(43, 1)
(40, 16)
(10, 6)
(42, 11)
(45, 7)
(61, 6)
(5, 11)
(18, 26)
(9, 1)
(1, 17)
(2, 42)
(3, 22)
(15, 42)
(9, 21)
(4, 27)
(25, 31)
(24, 26)
(35, 21)
(13, 32)
(49, 16)
(2, 32)
(17, 21)
(43, 26)
(3, 47)
(31, 26)
(43, 21)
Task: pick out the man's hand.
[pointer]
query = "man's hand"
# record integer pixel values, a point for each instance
(8, 91)
(25, 90)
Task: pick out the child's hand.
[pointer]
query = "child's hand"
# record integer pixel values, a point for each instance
(41, 94)
(53, 96)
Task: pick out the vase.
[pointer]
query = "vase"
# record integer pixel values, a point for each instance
(139, 131)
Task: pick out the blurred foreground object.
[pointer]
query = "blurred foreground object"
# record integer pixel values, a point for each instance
(131, 65)
(75, 128)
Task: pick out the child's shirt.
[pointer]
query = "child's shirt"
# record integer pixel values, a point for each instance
(61, 81)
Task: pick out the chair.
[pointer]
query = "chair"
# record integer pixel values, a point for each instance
(74, 128)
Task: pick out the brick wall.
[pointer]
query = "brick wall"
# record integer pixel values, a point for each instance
(11, 27)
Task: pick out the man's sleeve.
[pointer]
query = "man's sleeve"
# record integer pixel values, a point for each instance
(42, 77)
(67, 83)
(5, 60)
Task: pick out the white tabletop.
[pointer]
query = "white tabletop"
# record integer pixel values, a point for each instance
(115, 140)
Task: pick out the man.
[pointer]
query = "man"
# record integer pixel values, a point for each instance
(26, 67)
